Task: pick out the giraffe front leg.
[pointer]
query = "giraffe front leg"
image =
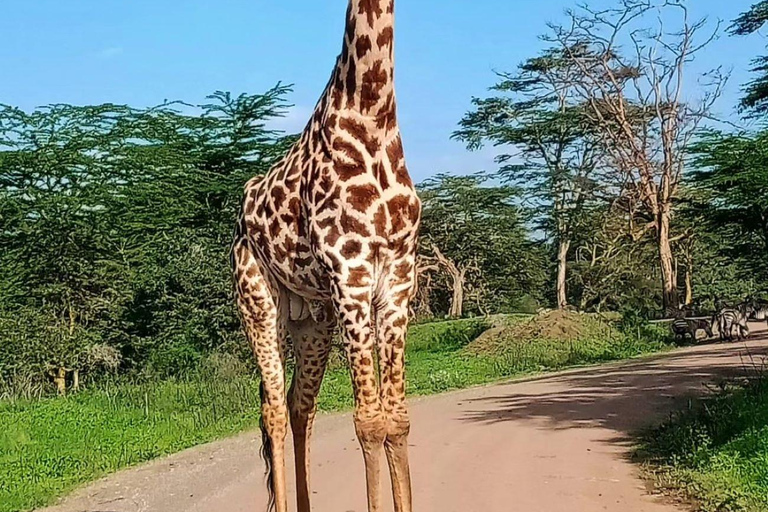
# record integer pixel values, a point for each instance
(312, 345)
(370, 421)
(352, 298)
(392, 324)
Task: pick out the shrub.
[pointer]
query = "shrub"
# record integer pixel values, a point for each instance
(715, 451)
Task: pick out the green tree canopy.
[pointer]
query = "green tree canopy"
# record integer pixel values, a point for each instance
(546, 135)
(480, 225)
(731, 199)
(756, 91)
(733, 174)
(115, 224)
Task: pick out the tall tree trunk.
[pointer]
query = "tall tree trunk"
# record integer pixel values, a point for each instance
(666, 261)
(60, 379)
(458, 276)
(562, 272)
(457, 303)
(419, 305)
(688, 285)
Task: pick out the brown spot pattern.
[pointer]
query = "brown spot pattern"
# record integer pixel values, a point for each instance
(363, 46)
(307, 226)
(351, 249)
(362, 197)
(371, 9)
(374, 80)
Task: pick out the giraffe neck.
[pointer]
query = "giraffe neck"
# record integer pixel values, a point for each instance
(365, 70)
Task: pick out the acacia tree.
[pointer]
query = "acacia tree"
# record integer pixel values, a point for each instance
(186, 166)
(115, 225)
(476, 234)
(535, 114)
(756, 97)
(421, 305)
(611, 269)
(731, 182)
(58, 261)
(637, 103)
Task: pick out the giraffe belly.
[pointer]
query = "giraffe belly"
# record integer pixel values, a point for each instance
(301, 274)
(311, 283)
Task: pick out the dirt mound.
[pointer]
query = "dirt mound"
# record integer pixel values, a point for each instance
(550, 325)
(555, 325)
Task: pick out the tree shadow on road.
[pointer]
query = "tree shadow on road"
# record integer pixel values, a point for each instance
(624, 398)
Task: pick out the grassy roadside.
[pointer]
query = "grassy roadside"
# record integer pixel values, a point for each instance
(48, 447)
(715, 454)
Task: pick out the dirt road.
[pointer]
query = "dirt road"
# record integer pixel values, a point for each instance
(553, 444)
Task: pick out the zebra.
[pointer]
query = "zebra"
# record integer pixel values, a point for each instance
(760, 311)
(730, 319)
(683, 327)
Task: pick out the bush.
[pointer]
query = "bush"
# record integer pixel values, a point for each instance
(174, 360)
(445, 336)
(526, 305)
(102, 357)
(223, 366)
(636, 324)
(35, 342)
(716, 451)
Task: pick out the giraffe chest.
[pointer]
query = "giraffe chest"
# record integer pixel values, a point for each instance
(342, 202)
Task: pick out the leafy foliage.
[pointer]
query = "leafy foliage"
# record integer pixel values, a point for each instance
(550, 152)
(756, 97)
(613, 270)
(115, 224)
(546, 131)
(479, 225)
(731, 203)
(752, 20)
(734, 175)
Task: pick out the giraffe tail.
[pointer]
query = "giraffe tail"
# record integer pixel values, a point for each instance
(266, 455)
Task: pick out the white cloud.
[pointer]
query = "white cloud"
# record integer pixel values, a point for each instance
(294, 121)
(109, 52)
(449, 158)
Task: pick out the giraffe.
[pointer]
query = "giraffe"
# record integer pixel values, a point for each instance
(326, 240)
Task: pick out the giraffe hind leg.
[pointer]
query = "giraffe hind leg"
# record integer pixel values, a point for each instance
(259, 305)
(312, 344)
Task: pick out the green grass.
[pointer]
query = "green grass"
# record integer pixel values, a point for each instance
(716, 452)
(444, 336)
(48, 447)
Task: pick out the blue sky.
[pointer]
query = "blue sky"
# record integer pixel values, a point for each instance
(142, 52)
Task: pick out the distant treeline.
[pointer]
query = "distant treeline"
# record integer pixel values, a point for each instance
(115, 222)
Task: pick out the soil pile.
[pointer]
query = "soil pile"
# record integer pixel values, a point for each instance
(556, 325)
